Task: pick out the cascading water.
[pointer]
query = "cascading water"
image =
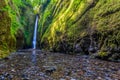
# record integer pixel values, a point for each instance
(35, 33)
(33, 56)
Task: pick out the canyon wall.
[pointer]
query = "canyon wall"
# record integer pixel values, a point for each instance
(83, 26)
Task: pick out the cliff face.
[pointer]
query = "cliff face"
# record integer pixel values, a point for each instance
(87, 26)
(16, 25)
(6, 40)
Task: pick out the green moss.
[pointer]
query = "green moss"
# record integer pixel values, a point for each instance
(9, 25)
(63, 20)
(102, 54)
(3, 54)
(77, 19)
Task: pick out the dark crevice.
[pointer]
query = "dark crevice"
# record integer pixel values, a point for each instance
(110, 12)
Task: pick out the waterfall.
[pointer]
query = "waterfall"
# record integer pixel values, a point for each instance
(33, 56)
(35, 33)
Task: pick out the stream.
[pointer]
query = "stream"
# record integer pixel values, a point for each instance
(24, 65)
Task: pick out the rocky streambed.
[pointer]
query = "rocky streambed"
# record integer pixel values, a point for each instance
(40, 65)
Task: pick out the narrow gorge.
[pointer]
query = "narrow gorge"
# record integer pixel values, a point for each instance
(59, 39)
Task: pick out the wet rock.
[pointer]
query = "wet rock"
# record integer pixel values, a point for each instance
(80, 72)
(68, 78)
(99, 78)
(85, 43)
(6, 76)
(6, 58)
(10, 77)
(92, 49)
(62, 79)
(2, 77)
(88, 73)
(114, 57)
(85, 56)
(25, 77)
(78, 48)
(50, 69)
(67, 73)
(108, 78)
(73, 79)
(13, 70)
(95, 55)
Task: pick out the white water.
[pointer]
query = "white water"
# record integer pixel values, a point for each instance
(33, 56)
(35, 33)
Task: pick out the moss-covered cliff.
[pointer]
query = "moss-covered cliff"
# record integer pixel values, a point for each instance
(6, 39)
(16, 25)
(88, 26)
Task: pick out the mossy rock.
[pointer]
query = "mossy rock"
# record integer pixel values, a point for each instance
(102, 54)
(4, 54)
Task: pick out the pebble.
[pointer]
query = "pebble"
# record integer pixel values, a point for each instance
(25, 77)
(73, 79)
(62, 79)
(108, 78)
(2, 78)
(6, 76)
(99, 78)
(50, 69)
(13, 70)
